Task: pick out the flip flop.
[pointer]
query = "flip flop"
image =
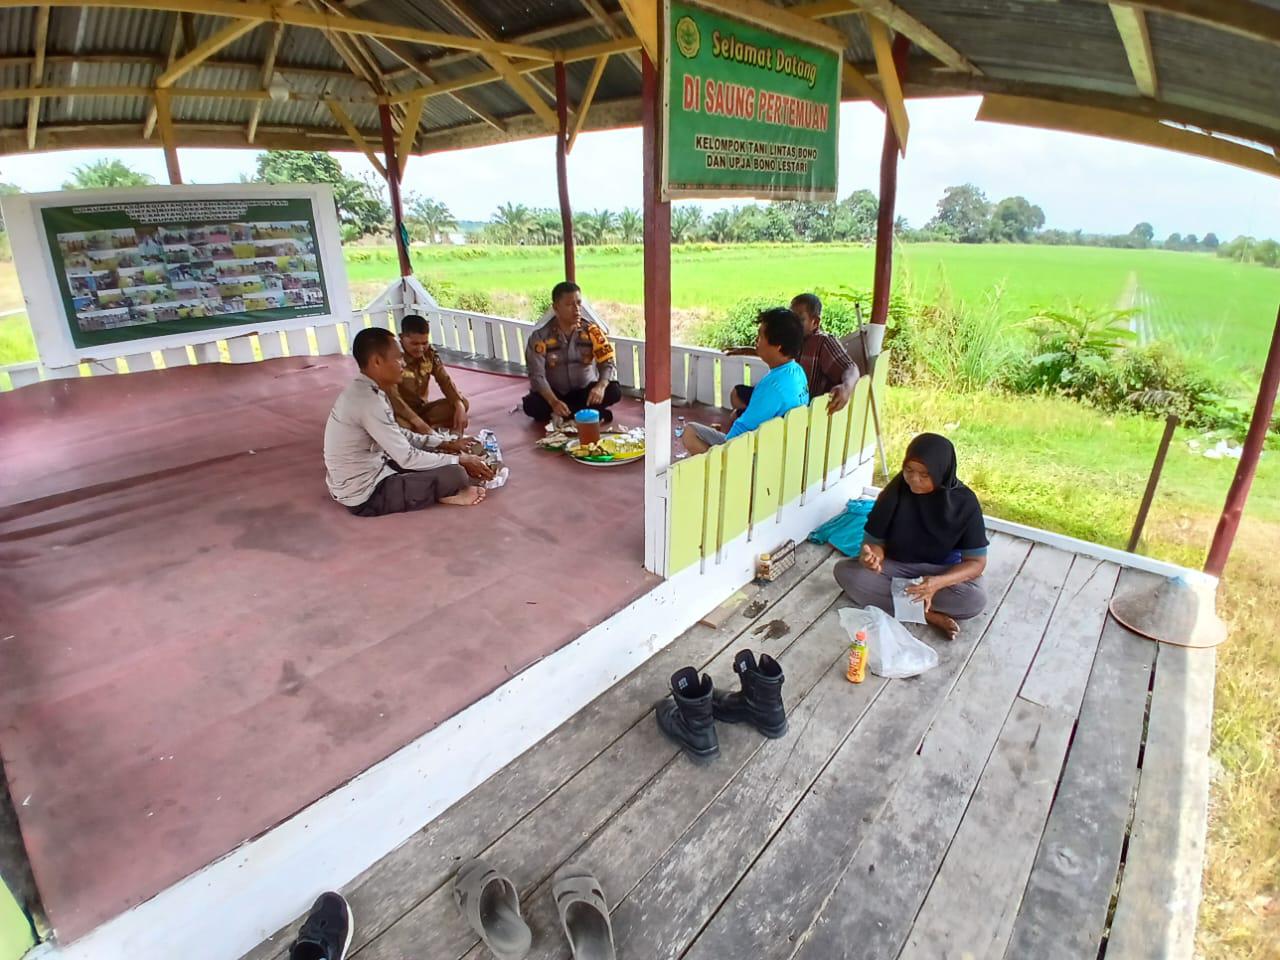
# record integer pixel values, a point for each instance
(490, 904)
(584, 914)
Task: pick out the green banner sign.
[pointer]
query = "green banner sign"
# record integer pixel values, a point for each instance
(749, 112)
(137, 269)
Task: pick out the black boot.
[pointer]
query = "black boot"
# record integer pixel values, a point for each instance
(759, 703)
(685, 717)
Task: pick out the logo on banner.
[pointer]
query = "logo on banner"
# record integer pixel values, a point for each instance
(688, 39)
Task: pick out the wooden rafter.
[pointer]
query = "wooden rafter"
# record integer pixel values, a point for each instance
(409, 133)
(937, 81)
(204, 50)
(206, 93)
(897, 20)
(895, 105)
(37, 74)
(1092, 121)
(357, 138)
(405, 53)
(523, 87)
(643, 17)
(189, 31)
(268, 72)
(1131, 23)
(176, 34)
(580, 115)
(1244, 18)
(300, 17)
(167, 135)
(856, 80)
(610, 26)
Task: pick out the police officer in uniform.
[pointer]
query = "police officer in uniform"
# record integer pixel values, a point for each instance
(571, 362)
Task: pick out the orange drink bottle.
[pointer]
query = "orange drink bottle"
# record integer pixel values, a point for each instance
(858, 658)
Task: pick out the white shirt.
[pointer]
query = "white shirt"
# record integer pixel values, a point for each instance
(362, 439)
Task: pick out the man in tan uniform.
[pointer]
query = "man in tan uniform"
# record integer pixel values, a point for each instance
(571, 363)
(421, 365)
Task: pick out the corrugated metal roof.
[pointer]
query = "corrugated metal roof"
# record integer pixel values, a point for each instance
(1065, 49)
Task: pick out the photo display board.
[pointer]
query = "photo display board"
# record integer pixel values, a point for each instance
(136, 270)
(750, 111)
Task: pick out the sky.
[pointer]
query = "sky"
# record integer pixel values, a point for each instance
(1096, 185)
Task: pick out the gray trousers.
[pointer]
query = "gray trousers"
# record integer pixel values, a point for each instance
(412, 490)
(866, 588)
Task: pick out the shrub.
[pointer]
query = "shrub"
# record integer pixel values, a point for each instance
(736, 327)
(1073, 347)
(476, 301)
(539, 303)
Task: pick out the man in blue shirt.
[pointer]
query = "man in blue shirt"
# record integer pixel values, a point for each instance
(779, 339)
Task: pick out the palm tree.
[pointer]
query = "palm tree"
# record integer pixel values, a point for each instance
(106, 173)
(720, 226)
(606, 222)
(431, 216)
(514, 221)
(685, 222)
(547, 225)
(630, 225)
(587, 229)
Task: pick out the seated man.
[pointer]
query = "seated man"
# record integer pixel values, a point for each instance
(824, 359)
(421, 363)
(375, 467)
(571, 362)
(779, 335)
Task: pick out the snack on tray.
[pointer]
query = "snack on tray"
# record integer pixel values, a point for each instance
(612, 447)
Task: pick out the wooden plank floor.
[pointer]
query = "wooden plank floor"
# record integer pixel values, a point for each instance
(1041, 793)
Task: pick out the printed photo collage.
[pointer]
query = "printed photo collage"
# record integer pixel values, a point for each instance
(137, 275)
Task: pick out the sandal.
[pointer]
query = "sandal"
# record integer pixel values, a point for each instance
(490, 904)
(584, 914)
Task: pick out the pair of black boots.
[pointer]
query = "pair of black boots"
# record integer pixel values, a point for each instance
(688, 716)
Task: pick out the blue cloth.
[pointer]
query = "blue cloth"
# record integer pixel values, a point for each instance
(844, 530)
(781, 389)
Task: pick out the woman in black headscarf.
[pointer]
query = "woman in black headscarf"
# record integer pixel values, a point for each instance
(927, 524)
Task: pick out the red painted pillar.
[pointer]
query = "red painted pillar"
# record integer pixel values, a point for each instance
(393, 187)
(883, 281)
(657, 248)
(562, 172)
(1238, 495)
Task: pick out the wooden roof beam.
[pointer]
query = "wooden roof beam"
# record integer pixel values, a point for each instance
(609, 26)
(897, 20)
(1114, 125)
(268, 72)
(580, 115)
(890, 83)
(37, 74)
(409, 134)
(1244, 18)
(357, 138)
(1132, 26)
(643, 17)
(165, 120)
(524, 88)
(204, 50)
(315, 19)
(176, 34)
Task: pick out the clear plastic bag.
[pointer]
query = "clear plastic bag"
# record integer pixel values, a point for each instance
(891, 649)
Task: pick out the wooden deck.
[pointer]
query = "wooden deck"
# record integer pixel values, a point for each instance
(1041, 793)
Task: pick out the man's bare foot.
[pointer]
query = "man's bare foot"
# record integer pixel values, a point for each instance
(467, 498)
(949, 627)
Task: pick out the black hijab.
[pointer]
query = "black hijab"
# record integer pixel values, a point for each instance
(934, 527)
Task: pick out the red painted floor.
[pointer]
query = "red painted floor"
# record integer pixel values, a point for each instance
(197, 642)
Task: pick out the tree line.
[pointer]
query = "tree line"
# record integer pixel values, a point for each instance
(964, 214)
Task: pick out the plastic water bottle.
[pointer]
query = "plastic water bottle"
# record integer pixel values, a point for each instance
(679, 427)
(489, 440)
(857, 658)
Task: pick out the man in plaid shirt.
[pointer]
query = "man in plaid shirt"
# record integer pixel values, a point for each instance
(822, 357)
